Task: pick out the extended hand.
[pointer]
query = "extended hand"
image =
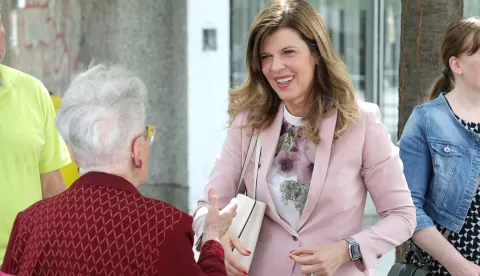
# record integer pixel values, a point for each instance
(218, 221)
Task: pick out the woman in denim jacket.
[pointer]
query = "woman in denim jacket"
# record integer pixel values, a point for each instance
(440, 149)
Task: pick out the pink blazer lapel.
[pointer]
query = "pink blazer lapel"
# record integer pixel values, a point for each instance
(322, 159)
(269, 139)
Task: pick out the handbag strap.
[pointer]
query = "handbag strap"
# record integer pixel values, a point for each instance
(254, 144)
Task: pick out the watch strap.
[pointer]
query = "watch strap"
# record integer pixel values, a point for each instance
(351, 240)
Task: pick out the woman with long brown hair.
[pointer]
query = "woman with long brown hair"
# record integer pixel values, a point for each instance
(321, 151)
(440, 149)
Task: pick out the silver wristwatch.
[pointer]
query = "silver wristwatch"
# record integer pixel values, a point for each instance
(353, 249)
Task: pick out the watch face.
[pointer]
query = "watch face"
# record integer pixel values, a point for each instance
(355, 252)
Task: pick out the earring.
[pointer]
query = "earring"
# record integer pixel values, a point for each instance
(139, 164)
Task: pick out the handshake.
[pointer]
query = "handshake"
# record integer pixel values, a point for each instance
(217, 224)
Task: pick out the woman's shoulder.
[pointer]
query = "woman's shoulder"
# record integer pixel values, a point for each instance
(160, 215)
(239, 119)
(432, 105)
(436, 110)
(372, 110)
(368, 111)
(170, 216)
(367, 107)
(238, 126)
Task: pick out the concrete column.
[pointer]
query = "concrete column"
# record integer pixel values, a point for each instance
(150, 38)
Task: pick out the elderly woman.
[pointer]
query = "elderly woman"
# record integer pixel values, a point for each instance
(102, 225)
(321, 152)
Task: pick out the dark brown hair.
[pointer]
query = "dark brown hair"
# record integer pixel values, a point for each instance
(462, 36)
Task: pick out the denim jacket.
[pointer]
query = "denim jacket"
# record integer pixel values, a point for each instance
(441, 164)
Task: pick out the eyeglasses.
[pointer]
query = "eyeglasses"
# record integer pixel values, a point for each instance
(150, 133)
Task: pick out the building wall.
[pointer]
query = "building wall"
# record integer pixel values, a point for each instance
(53, 39)
(150, 38)
(45, 40)
(208, 84)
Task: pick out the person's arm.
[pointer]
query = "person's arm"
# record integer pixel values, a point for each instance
(177, 258)
(435, 244)
(52, 183)
(383, 177)
(54, 154)
(224, 175)
(224, 179)
(415, 155)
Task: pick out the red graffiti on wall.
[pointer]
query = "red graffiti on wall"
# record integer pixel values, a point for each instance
(50, 36)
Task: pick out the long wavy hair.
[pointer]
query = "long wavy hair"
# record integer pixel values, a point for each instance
(331, 90)
(462, 36)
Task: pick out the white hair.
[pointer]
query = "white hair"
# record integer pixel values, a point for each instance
(102, 112)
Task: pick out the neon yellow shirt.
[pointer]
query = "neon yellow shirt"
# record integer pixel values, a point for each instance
(29, 145)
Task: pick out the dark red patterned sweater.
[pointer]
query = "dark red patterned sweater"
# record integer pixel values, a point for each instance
(103, 226)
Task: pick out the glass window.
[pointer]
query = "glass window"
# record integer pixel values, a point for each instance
(243, 14)
(471, 8)
(351, 26)
(391, 59)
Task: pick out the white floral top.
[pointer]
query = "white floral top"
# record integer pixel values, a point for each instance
(291, 172)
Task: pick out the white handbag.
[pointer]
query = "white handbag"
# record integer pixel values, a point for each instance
(248, 221)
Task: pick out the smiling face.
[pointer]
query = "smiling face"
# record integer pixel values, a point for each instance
(288, 65)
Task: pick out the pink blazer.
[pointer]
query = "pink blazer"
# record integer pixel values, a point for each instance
(362, 160)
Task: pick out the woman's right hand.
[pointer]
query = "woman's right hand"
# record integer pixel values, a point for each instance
(232, 264)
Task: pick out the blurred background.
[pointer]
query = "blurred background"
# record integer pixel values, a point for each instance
(189, 53)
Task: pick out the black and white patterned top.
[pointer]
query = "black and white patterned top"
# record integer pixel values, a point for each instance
(467, 241)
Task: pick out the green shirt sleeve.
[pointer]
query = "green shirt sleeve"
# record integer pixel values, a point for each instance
(54, 153)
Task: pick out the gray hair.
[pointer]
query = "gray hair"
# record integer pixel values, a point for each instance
(101, 113)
